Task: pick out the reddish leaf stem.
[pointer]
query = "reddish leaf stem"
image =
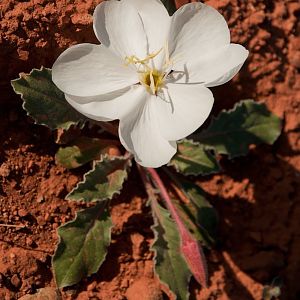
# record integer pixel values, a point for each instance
(160, 185)
(190, 247)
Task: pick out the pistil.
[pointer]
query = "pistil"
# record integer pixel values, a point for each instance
(151, 78)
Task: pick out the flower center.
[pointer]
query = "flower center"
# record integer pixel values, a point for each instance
(151, 78)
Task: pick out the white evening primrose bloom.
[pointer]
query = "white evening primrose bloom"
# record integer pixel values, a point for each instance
(151, 71)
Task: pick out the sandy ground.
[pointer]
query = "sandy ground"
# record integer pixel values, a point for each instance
(257, 196)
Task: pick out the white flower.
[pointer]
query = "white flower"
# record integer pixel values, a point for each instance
(151, 71)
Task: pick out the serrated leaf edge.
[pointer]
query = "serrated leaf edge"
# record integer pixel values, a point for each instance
(59, 241)
(228, 111)
(155, 233)
(80, 123)
(237, 105)
(102, 158)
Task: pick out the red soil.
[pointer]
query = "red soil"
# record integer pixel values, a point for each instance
(257, 196)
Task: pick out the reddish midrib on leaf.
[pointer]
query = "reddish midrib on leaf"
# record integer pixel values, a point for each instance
(190, 247)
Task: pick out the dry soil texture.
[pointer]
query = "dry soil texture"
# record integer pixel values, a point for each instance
(257, 196)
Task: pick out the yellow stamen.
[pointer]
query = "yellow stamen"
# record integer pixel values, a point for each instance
(151, 78)
(133, 59)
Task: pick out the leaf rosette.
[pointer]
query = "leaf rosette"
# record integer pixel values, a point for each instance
(137, 78)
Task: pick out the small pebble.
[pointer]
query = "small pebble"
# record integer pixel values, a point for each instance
(16, 281)
(22, 212)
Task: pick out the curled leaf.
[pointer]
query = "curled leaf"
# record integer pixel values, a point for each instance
(84, 150)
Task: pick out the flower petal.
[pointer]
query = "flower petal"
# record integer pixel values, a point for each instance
(140, 135)
(89, 70)
(185, 108)
(110, 106)
(196, 30)
(156, 22)
(118, 25)
(215, 68)
(222, 67)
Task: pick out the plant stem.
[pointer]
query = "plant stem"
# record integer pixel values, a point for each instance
(190, 248)
(166, 197)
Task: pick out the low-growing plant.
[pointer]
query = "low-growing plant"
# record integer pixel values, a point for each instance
(184, 221)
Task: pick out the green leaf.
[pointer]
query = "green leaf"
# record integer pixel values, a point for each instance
(43, 101)
(82, 151)
(170, 266)
(83, 245)
(170, 6)
(197, 213)
(192, 159)
(104, 181)
(233, 131)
